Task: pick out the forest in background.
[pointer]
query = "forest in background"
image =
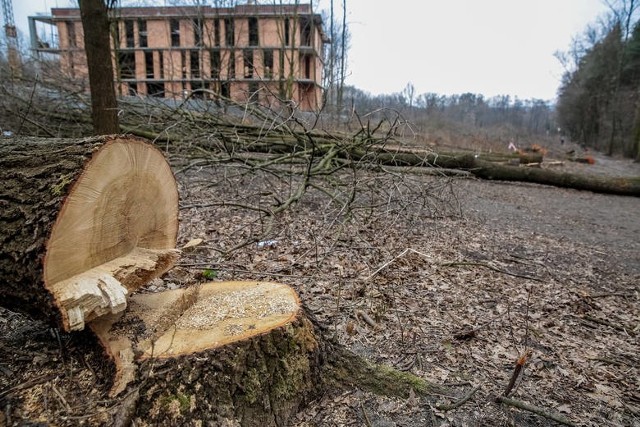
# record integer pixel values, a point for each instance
(598, 103)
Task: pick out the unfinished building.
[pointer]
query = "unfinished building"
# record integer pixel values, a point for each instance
(267, 54)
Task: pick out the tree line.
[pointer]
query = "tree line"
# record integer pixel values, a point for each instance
(467, 110)
(599, 98)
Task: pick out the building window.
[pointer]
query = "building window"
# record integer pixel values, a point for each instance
(216, 32)
(155, 89)
(215, 64)
(232, 65)
(175, 32)
(307, 66)
(71, 32)
(197, 90)
(148, 60)
(267, 58)
(254, 91)
(198, 31)
(127, 62)
(128, 30)
(253, 32)
(183, 62)
(229, 32)
(306, 32)
(225, 89)
(142, 32)
(194, 64)
(132, 88)
(161, 62)
(287, 32)
(247, 56)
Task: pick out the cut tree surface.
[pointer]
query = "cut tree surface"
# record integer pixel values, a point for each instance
(219, 351)
(83, 223)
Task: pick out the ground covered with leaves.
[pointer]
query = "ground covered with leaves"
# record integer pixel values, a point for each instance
(449, 278)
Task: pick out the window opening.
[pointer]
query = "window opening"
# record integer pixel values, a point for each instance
(229, 32)
(128, 30)
(248, 63)
(253, 32)
(267, 57)
(142, 33)
(175, 32)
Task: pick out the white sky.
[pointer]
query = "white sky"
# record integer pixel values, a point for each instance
(490, 47)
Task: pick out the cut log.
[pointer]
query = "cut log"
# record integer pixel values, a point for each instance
(481, 168)
(82, 224)
(214, 353)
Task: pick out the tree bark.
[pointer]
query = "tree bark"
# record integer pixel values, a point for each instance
(97, 44)
(215, 353)
(83, 223)
(232, 353)
(501, 172)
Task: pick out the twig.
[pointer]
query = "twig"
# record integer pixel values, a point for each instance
(517, 371)
(126, 409)
(61, 397)
(386, 264)
(536, 410)
(26, 385)
(368, 320)
(606, 323)
(367, 421)
(457, 404)
(490, 267)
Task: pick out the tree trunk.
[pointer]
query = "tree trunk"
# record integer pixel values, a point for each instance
(215, 353)
(502, 172)
(97, 45)
(82, 224)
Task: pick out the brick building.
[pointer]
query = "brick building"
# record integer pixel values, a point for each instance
(248, 52)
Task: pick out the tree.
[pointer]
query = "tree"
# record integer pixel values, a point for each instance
(598, 99)
(97, 44)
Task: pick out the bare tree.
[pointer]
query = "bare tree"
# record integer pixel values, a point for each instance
(97, 44)
(623, 11)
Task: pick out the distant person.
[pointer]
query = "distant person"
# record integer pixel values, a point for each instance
(562, 141)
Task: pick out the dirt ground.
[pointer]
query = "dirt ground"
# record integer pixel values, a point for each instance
(460, 276)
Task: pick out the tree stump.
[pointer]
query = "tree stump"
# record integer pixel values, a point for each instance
(229, 352)
(82, 224)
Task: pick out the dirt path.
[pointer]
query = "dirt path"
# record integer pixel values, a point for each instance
(608, 224)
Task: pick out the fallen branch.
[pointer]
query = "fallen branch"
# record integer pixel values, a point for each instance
(517, 371)
(536, 410)
(368, 320)
(490, 267)
(457, 404)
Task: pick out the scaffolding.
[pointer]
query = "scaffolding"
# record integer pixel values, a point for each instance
(11, 34)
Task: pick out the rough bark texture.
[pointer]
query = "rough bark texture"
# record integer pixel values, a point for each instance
(261, 381)
(37, 176)
(95, 23)
(496, 171)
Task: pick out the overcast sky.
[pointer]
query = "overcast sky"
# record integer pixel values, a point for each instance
(489, 47)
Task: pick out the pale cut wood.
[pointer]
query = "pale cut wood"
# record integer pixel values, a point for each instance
(189, 321)
(83, 223)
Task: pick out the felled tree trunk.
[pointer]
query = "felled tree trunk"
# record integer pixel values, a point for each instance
(83, 222)
(498, 171)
